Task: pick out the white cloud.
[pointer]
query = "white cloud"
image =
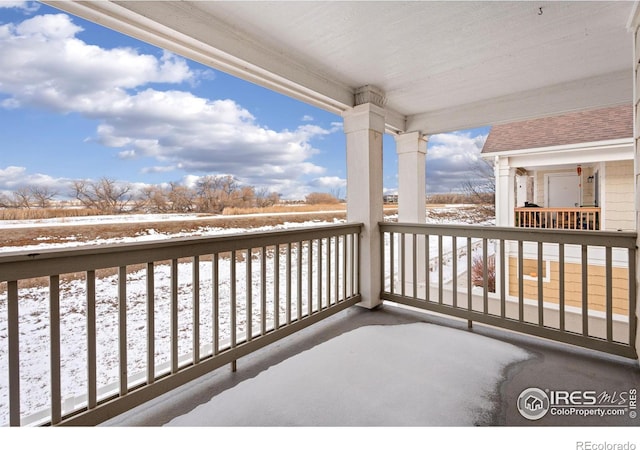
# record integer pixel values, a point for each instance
(27, 6)
(13, 178)
(48, 66)
(452, 159)
(331, 182)
(307, 118)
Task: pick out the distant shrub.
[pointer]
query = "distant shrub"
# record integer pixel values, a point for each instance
(477, 273)
(317, 198)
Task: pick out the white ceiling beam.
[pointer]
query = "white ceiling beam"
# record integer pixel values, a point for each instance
(601, 91)
(234, 52)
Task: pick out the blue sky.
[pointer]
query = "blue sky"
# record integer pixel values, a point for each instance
(79, 101)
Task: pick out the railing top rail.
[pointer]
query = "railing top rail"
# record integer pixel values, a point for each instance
(556, 209)
(622, 239)
(22, 264)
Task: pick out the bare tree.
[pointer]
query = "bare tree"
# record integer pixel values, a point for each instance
(481, 188)
(216, 192)
(265, 198)
(105, 195)
(5, 201)
(152, 199)
(180, 198)
(22, 198)
(42, 196)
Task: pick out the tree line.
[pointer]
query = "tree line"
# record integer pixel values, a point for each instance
(211, 194)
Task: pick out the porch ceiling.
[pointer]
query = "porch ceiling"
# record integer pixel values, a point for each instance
(442, 65)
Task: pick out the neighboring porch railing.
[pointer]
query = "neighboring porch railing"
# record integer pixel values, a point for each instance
(576, 287)
(195, 304)
(578, 218)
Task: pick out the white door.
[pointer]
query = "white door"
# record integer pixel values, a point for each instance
(563, 190)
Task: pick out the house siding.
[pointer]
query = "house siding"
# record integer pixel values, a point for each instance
(596, 287)
(619, 192)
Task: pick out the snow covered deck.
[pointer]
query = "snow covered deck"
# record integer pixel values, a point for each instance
(390, 367)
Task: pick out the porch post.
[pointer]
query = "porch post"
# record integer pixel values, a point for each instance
(412, 156)
(505, 192)
(364, 126)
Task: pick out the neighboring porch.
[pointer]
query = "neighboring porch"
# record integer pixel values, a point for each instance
(533, 216)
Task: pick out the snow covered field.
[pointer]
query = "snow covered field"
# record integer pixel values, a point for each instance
(34, 320)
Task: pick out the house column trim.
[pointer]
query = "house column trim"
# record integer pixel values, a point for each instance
(364, 127)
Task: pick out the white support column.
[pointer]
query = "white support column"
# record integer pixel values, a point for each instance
(412, 157)
(505, 192)
(505, 203)
(364, 126)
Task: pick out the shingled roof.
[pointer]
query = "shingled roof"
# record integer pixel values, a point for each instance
(585, 126)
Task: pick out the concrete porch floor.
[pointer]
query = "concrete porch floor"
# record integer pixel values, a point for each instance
(550, 366)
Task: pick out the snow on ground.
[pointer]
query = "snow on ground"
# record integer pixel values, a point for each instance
(34, 318)
(402, 375)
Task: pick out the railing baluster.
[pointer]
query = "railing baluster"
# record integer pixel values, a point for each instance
(414, 264)
(353, 266)
(150, 324)
(561, 284)
(263, 292)
(427, 267)
(469, 269)
(288, 284)
(328, 271)
(13, 328)
(392, 258)
(344, 268)
(319, 274)
(54, 342)
(609, 293)
(540, 286)
(215, 307)
(299, 286)
(454, 270)
(174, 316)
(503, 290)
(336, 269)
(520, 282)
(485, 276)
(122, 328)
(585, 293)
(91, 340)
(276, 287)
(233, 306)
(403, 256)
(310, 279)
(195, 288)
(249, 296)
(440, 274)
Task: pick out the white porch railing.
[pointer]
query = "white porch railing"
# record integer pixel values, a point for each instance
(578, 218)
(273, 284)
(576, 287)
